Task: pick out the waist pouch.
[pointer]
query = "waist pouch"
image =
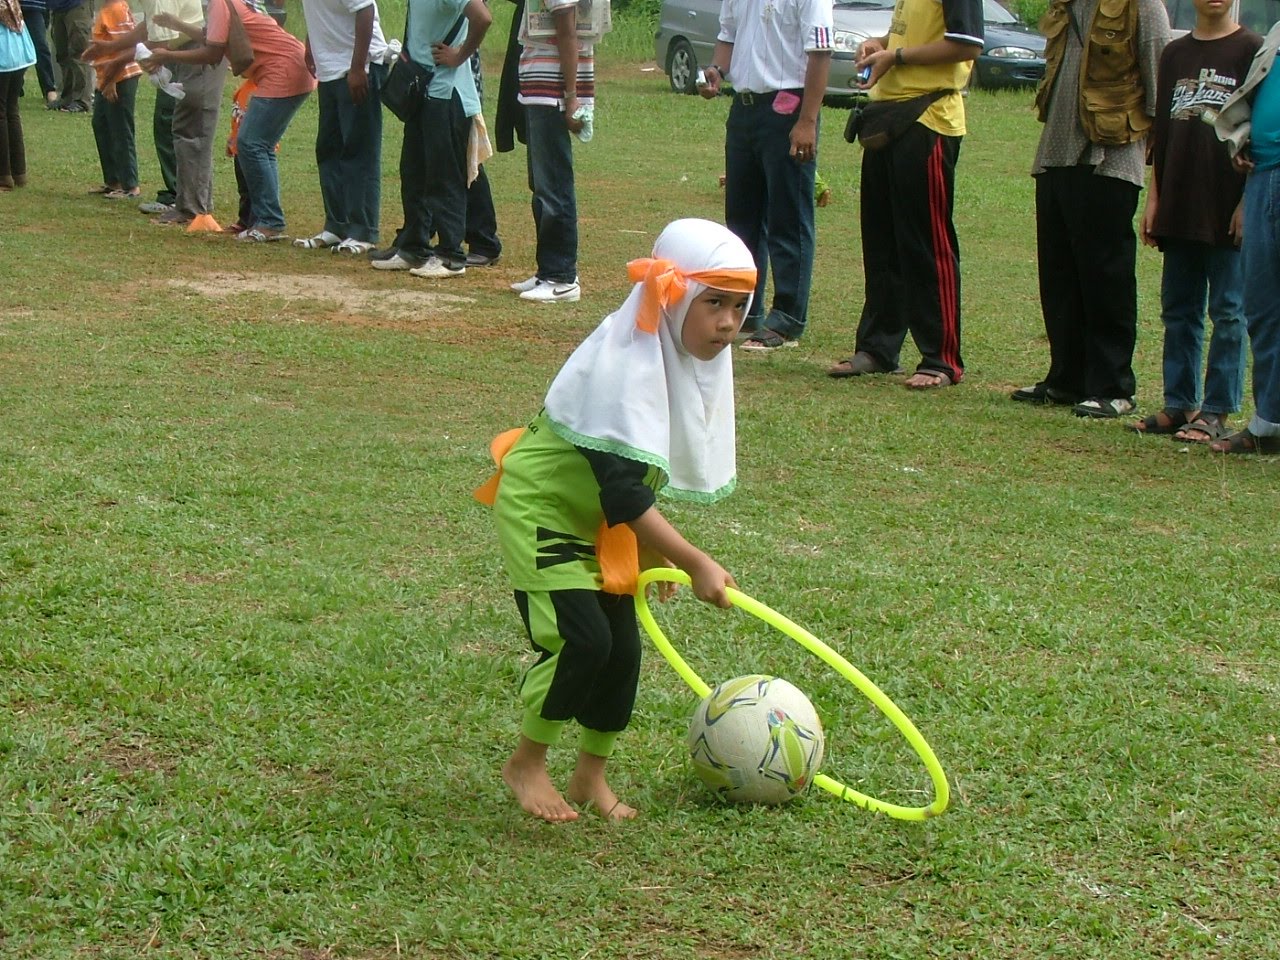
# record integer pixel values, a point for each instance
(877, 123)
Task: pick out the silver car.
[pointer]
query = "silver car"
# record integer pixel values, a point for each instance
(687, 32)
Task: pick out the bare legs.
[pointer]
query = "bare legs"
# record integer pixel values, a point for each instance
(525, 773)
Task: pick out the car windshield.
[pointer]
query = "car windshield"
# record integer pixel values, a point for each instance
(992, 12)
(865, 4)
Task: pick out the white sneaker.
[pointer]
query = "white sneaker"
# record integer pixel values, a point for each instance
(524, 286)
(396, 262)
(436, 269)
(546, 292)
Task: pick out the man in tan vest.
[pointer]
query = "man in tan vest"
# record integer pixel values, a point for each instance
(1096, 101)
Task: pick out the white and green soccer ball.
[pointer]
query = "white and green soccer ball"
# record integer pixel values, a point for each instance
(756, 739)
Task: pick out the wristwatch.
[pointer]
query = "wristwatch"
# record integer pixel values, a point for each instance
(897, 58)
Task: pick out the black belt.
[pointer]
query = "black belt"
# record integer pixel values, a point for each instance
(749, 99)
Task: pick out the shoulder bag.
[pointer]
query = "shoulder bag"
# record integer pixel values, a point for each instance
(239, 50)
(877, 123)
(406, 85)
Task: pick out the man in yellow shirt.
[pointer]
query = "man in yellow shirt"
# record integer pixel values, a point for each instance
(910, 254)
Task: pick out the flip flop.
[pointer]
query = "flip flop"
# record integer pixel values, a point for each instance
(944, 380)
(858, 365)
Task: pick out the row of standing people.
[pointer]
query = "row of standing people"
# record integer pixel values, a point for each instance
(1112, 77)
(444, 189)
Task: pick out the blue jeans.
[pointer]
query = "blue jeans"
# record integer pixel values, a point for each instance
(555, 204)
(768, 203)
(1261, 253)
(263, 125)
(38, 27)
(349, 157)
(1196, 275)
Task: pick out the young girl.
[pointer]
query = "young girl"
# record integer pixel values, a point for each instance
(644, 404)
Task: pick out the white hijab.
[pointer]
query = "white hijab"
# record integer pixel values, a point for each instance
(632, 389)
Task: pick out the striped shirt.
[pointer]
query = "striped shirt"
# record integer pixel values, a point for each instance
(114, 21)
(541, 82)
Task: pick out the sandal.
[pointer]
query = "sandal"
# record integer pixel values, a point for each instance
(260, 235)
(1211, 426)
(1167, 421)
(939, 379)
(321, 241)
(766, 341)
(357, 248)
(858, 365)
(1246, 442)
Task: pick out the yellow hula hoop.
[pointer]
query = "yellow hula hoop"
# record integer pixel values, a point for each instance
(941, 790)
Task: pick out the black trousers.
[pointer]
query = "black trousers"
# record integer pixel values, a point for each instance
(433, 181)
(910, 254)
(1087, 252)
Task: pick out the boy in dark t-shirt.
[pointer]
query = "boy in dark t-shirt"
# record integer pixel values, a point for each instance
(1193, 215)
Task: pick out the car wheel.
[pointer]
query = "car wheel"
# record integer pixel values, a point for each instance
(682, 66)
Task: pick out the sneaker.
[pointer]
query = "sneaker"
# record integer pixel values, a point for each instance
(766, 341)
(356, 248)
(437, 269)
(549, 292)
(1100, 408)
(481, 260)
(524, 286)
(152, 207)
(74, 106)
(396, 261)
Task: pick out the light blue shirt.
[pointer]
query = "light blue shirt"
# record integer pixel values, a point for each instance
(429, 22)
(1264, 137)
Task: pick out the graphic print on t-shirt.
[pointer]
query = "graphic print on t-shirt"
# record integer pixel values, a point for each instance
(1201, 96)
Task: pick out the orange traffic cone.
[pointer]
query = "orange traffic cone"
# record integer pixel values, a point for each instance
(204, 223)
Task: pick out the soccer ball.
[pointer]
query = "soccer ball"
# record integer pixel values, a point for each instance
(756, 739)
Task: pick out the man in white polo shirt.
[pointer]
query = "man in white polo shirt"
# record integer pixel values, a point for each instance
(345, 51)
(776, 54)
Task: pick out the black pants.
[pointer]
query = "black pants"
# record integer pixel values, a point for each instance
(433, 181)
(1088, 285)
(910, 254)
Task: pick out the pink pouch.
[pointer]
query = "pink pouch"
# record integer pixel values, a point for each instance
(785, 102)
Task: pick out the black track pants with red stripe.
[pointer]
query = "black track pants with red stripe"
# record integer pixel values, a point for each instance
(910, 255)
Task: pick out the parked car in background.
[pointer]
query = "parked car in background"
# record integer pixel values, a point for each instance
(687, 32)
(1013, 55)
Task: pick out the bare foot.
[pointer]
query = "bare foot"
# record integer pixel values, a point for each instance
(592, 790)
(535, 792)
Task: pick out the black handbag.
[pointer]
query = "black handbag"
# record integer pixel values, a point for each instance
(877, 123)
(406, 85)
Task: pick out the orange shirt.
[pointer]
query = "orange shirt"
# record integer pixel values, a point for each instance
(279, 62)
(114, 21)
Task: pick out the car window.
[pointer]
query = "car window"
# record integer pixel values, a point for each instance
(865, 4)
(992, 12)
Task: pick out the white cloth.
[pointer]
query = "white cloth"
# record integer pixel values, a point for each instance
(331, 29)
(642, 396)
(771, 40)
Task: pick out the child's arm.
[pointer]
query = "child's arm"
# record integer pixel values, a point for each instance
(191, 31)
(1149, 211)
(655, 532)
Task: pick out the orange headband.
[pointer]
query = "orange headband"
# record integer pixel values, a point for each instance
(665, 283)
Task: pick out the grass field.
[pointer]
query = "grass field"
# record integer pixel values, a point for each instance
(258, 661)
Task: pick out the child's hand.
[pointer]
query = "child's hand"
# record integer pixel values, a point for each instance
(111, 93)
(709, 582)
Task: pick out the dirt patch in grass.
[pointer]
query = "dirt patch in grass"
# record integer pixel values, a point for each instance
(346, 302)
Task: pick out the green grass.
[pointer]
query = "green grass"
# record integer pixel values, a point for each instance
(258, 661)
